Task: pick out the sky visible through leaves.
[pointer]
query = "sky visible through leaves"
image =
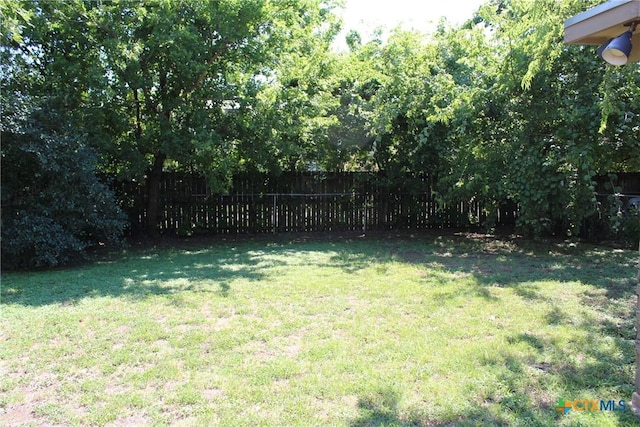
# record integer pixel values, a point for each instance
(364, 15)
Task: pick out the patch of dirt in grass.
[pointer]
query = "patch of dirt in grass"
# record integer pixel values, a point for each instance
(212, 394)
(185, 421)
(540, 398)
(292, 350)
(35, 347)
(121, 330)
(23, 413)
(280, 384)
(206, 311)
(350, 403)
(116, 389)
(264, 353)
(43, 382)
(222, 323)
(289, 346)
(139, 368)
(161, 345)
(132, 420)
(171, 386)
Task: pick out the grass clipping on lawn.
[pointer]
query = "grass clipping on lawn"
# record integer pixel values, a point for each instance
(365, 331)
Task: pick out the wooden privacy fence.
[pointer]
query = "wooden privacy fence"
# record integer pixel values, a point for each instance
(304, 202)
(277, 213)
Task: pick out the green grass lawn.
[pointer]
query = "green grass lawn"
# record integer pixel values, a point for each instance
(424, 330)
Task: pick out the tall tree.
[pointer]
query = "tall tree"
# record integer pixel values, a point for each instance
(291, 111)
(152, 83)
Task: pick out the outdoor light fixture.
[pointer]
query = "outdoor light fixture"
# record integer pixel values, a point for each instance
(616, 51)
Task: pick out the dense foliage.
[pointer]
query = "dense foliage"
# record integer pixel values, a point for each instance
(54, 206)
(499, 109)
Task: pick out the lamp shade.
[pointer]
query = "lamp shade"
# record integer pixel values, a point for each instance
(617, 51)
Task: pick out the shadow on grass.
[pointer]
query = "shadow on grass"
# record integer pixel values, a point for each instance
(381, 409)
(136, 275)
(517, 395)
(517, 264)
(580, 372)
(601, 358)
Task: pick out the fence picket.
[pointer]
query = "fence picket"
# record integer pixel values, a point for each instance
(300, 202)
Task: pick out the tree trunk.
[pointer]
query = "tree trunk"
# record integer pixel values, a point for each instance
(153, 196)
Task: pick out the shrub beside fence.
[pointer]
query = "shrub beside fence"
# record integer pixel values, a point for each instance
(618, 219)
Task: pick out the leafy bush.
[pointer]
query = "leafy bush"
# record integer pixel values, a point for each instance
(630, 230)
(617, 220)
(54, 207)
(625, 225)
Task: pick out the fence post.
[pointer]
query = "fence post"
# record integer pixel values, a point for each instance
(364, 219)
(273, 215)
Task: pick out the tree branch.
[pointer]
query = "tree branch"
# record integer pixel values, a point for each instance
(203, 74)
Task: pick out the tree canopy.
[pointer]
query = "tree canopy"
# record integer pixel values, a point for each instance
(497, 108)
